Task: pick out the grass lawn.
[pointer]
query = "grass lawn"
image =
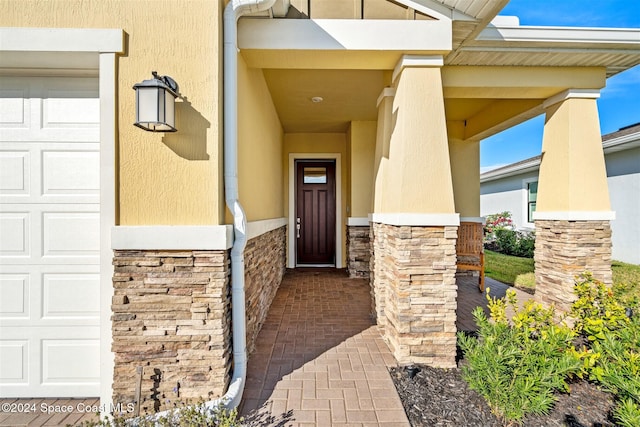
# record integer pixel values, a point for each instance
(518, 271)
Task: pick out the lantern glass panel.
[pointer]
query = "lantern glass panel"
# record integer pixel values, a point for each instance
(147, 105)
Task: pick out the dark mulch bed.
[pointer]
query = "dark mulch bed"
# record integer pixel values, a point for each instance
(440, 397)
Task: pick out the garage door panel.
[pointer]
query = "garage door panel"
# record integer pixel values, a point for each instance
(71, 173)
(71, 296)
(15, 231)
(70, 361)
(14, 362)
(15, 172)
(37, 172)
(71, 234)
(14, 107)
(14, 296)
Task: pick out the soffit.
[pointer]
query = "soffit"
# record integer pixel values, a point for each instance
(348, 95)
(613, 48)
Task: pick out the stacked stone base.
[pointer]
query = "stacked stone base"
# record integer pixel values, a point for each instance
(414, 277)
(171, 319)
(565, 249)
(358, 251)
(265, 261)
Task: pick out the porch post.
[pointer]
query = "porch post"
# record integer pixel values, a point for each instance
(573, 212)
(414, 220)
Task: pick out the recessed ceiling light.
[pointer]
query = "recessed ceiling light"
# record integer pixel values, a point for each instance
(317, 99)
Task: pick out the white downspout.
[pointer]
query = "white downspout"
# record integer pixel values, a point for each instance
(233, 11)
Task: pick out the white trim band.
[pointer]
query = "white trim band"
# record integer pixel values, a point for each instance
(61, 40)
(575, 215)
(416, 219)
(168, 237)
(258, 228)
(419, 61)
(480, 219)
(571, 93)
(354, 221)
(386, 92)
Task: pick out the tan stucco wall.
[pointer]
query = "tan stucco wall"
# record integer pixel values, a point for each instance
(572, 171)
(418, 169)
(163, 178)
(362, 146)
(318, 143)
(465, 173)
(260, 144)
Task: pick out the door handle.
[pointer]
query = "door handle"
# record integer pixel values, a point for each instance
(298, 228)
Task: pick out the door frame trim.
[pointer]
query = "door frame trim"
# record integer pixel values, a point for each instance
(291, 246)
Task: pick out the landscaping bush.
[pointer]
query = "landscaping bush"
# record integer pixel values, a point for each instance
(500, 236)
(517, 368)
(518, 243)
(611, 349)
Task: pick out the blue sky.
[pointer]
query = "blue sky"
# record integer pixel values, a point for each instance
(619, 103)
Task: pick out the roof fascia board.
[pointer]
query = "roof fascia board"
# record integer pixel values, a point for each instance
(618, 37)
(519, 168)
(345, 34)
(625, 142)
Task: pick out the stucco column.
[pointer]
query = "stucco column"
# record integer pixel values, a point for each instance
(572, 215)
(415, 223)
(465, 171)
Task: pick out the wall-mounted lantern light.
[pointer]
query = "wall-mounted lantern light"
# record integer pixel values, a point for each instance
(155, 104)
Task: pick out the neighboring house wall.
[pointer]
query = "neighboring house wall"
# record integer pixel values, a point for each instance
(623, 177)
(623, 171)
(507, 194)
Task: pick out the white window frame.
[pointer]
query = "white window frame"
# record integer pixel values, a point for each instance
(525, 202)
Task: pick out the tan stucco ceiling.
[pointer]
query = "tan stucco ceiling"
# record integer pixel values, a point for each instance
(347, 95)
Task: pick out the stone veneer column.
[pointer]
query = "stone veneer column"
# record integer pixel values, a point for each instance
(565, 249)
(171, 318)
(421, 292)
(358, 251)
(573, 210)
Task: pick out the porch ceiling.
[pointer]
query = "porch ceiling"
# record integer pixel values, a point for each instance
(487, 99)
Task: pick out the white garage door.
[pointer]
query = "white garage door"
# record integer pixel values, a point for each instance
(49, 237)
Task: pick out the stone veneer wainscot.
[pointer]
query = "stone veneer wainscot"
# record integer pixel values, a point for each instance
(172, 317)
(358, 251)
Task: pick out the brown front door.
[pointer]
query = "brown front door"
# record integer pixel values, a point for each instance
(315, 213)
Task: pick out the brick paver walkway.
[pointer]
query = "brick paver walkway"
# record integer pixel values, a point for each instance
(319, 360)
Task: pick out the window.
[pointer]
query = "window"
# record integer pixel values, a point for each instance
(532, 197)
(315, 175)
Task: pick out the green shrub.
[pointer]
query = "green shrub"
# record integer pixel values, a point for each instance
(596, 310)
(518, 367)
(516, 243)
(611, 355)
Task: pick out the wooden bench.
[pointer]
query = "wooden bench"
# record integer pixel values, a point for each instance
(470, 249)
